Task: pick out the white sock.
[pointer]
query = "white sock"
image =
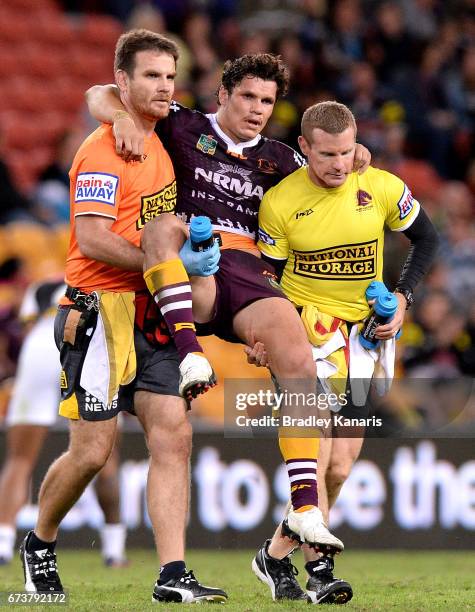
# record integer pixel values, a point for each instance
(7, 541)
(113, 541)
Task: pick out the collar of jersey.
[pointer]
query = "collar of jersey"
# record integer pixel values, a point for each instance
(232, 146)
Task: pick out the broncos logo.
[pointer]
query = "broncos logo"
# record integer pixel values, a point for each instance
(363, 198)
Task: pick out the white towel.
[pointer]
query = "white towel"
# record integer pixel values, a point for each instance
(375, 365)
(326, 368)
(110, 359)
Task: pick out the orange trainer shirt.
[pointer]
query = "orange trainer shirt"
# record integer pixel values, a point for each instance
(129, 193)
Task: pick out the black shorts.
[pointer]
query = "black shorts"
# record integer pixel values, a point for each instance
(242, 278)
(157, 367)
(157, 371)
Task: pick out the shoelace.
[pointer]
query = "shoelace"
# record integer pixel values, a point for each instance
(46, 568)
(45, 572)
(188, 577)
(287, 573)
(326, 572)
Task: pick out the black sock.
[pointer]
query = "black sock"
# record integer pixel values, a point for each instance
(174, 569)
(34, 543)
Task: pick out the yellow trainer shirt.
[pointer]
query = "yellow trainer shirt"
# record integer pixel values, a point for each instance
(333, 238)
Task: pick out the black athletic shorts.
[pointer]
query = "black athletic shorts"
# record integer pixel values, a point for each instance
(157, 370)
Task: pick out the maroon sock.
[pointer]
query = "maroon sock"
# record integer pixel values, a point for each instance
(174, 302)
(303, 482)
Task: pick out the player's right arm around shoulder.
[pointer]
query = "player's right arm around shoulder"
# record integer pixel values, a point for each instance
(104, 104)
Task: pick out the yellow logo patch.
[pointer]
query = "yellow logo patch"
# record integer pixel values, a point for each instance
(63, 381)
(152, 205)
(343, 262)
(300, 486)
(179, 326)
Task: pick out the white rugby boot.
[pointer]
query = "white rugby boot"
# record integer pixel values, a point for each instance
(310, 527)
(196, 376)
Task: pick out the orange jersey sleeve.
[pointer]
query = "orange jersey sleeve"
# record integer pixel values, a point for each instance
(129, 193)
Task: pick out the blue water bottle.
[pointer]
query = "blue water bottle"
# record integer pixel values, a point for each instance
(378, 288)
(201, 234)
(383, 311)
(374, 289)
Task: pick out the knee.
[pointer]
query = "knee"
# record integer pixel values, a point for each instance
(336, 475)
(170, 443)
(293, 361)
(91, 460)
(161, 232)
(301, 364)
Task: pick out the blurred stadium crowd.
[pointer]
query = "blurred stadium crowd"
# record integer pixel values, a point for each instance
(405, 67)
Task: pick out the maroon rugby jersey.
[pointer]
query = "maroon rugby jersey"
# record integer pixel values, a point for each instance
(217, 178)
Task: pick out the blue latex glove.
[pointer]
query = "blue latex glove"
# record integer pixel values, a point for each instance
(200, 263)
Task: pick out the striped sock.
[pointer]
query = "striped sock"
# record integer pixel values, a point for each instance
(300, 456)
(303, 483)
(169, 284)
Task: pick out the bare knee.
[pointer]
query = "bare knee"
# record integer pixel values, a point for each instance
(90, 460)
(170, 443)
(300, 363)
(336, 475)
(292, 359)
(163, 236)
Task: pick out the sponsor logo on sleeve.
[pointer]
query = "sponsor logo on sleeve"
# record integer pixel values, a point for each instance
(157, 203)
(96, 187)
(265, 238)
(406, 203)
(207, 144)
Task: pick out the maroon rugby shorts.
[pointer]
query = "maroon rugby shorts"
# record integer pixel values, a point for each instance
(242, 278)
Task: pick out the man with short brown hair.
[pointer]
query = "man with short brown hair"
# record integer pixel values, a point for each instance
(106, 359)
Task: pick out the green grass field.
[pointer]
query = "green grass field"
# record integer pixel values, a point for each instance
(392, 580)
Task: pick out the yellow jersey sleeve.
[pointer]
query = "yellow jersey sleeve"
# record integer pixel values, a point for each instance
(401, 206)
(272, 238)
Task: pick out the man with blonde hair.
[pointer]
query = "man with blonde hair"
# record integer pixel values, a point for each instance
(322, 229)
